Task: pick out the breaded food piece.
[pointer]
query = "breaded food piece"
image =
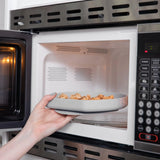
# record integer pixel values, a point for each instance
(63, 96)
(76, 96)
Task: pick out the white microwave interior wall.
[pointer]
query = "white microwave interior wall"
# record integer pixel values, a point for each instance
(101, 66)
(87, 66)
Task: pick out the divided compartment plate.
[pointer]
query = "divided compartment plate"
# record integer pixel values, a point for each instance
(80, 107)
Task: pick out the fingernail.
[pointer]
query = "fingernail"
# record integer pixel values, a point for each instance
(52, 94)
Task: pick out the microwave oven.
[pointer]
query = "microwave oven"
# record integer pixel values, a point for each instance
(119, 59)
(108, 60)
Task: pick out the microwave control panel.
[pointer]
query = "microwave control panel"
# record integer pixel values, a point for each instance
(147, 126)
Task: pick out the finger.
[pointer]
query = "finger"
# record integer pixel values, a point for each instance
(44, 101)
(65, 121)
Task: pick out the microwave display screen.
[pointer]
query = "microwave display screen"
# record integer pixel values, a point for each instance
(152, 47)
(148, 45)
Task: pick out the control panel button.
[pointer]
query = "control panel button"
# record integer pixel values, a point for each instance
(148, 129)
(155, 74)
(143, 96)
(155, 69)
(149, 104)
(140, 112)
(143, 88)
(156, 130)
(144, 75)
(155, 61)
(148, 121)
(145, 61)
(155, 89)
(155, 97)
(156, 122)
(140, 128)
(156, 114)
(140, 120)
(148, 113)
(141, 104)
(144, 68)
(155, 81)
(148, 137)
(144, 81)
(157, 105)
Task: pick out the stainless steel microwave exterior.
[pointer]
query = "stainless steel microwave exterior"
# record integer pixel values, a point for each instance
(90, 13)
(63, 147)
(149, 28)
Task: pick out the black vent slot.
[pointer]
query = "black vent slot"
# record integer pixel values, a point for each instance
(54, 20)
(16, 24)
(18, 17)
(120, 6)
(151, 3)
(70, 148)
(50, 143)
(115, 157)
(151, 11)
(96, 9)
(120, 14)
(96, 16)
(35, 15)
(74, 11)
(53, 13)
(74, 18)
(92, 153)
(35, 22)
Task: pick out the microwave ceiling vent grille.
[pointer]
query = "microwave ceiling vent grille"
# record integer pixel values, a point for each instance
(68, 49)
(81, 50)
(82, 14)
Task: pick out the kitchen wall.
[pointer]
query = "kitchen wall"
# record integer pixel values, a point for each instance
(29, 3)
(2, 12)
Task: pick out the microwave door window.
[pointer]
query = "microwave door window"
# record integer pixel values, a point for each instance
(7, 81)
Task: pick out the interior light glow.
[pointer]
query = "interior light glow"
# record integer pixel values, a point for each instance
(4, 60)
(12, 49)
(7, 60)
(146, 51)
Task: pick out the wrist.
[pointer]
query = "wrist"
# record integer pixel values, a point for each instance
(28, 135)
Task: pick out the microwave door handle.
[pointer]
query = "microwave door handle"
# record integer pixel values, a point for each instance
(17, 85)
(13, 84)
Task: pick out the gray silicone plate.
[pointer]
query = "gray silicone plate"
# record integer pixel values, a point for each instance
(73, 106)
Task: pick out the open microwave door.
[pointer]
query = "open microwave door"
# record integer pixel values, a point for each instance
(15, 75)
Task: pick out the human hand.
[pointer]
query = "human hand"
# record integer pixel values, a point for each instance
(41, 123)
(44, 121)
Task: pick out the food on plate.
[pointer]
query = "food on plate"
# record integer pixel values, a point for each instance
(87, 97)
(63, 96)
(75, 96)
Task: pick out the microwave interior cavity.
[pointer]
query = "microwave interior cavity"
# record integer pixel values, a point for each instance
(98, 66)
